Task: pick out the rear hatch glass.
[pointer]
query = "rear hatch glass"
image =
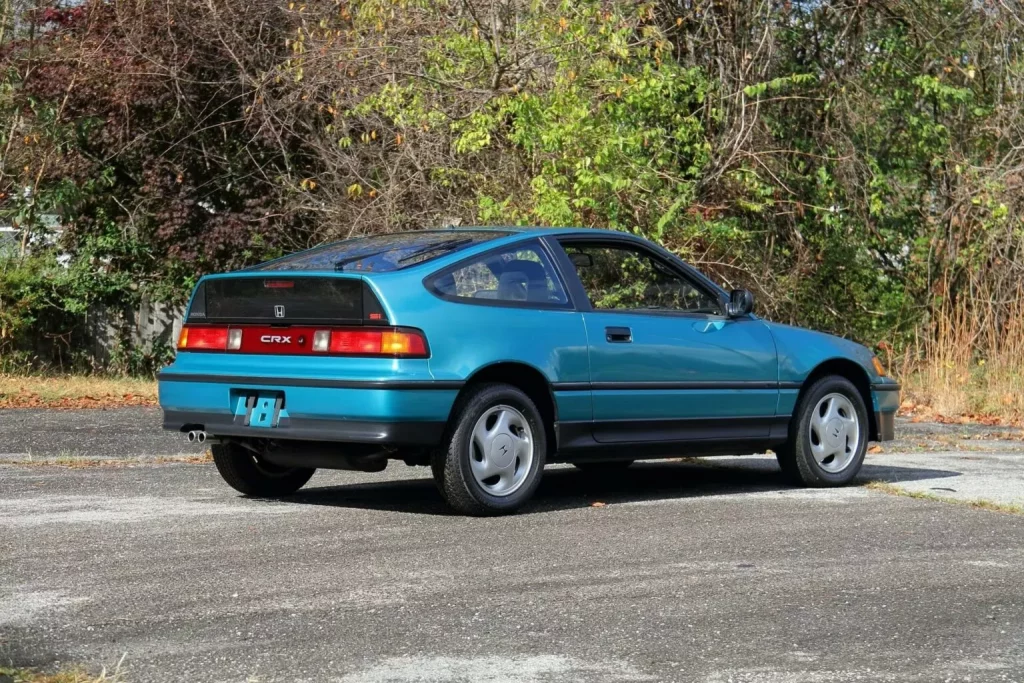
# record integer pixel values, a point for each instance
(283, 300)
(381, 253)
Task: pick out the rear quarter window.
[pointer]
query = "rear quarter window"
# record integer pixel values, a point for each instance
(521, 275)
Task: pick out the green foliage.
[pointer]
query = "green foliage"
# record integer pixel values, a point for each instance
(777, 84)
(43, 306)
(855, 167)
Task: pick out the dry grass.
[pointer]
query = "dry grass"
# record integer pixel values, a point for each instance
(73, 675)
(74, 391)
(971, 363)
(977, 504)
(77, 462)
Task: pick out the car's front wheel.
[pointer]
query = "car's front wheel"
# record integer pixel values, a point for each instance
(828, 435)
(247, 473)
(494, 452)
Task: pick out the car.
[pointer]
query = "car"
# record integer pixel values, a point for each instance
(487, 354)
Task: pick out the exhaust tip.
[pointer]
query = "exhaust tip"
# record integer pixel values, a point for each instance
(195, 436)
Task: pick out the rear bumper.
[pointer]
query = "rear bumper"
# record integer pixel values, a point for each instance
(398, 413)
(300, 429)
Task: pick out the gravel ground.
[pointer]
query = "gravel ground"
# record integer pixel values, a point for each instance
(711, 570)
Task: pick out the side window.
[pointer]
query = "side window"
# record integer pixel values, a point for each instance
(521, 273)
(621, 277)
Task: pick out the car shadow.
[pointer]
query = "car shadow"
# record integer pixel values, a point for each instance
(565, 487)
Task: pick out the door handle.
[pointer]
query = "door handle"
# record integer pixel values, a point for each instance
(618, 335)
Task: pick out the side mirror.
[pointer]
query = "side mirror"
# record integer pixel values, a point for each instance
(741, 303)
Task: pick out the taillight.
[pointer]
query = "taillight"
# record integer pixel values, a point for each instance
(355, 342)
(203, 338)
(297, 340)
(404, 343)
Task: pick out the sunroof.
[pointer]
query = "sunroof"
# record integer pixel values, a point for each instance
(382, 253)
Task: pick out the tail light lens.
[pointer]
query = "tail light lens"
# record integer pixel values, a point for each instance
(203, 338)
(293, 340)
(403, 343)
(356, 342)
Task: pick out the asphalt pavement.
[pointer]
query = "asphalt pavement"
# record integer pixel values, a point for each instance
(37, 433)
(706, 570)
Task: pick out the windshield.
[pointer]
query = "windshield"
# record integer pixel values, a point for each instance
(382, 253)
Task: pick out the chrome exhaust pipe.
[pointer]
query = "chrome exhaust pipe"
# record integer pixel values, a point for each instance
(196, 436)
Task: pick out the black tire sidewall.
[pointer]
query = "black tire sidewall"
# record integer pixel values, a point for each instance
(808, 469)
(459, 451)
(236, 466)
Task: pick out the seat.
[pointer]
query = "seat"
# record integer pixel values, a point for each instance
(523, 280)
(446, 285)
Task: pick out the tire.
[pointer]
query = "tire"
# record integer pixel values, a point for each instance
(603, 467)
(246, 473)
(437, 470)
(493, 454)
(826, 449)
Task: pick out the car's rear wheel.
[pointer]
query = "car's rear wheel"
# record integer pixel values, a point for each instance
(494, 452)
(828, 436)
(247, 473)
(603, 466)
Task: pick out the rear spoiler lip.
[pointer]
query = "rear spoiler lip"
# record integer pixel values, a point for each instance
(283, 274)
(307, 322)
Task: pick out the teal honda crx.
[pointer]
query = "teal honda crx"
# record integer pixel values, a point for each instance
(487, 354)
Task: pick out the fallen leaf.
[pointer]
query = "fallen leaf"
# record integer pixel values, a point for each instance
(875, 449)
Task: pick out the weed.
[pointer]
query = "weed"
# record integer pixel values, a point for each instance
(972, 360)
(977, 503)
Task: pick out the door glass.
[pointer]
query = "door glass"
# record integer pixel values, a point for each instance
(521, 273)
(620, 277)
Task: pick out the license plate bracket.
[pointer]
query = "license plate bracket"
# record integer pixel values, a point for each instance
(263, 410)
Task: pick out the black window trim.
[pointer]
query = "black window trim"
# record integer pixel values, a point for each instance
(430, 281)
(663, 256)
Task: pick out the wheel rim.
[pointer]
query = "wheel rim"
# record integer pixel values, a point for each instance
(501, 450)
(834, 433)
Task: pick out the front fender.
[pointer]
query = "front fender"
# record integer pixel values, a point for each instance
(801, 351)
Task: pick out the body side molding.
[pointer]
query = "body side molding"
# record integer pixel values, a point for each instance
(397, 385)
